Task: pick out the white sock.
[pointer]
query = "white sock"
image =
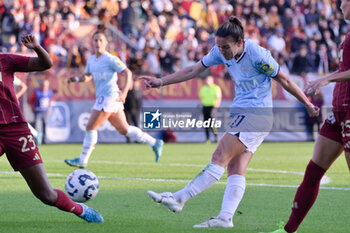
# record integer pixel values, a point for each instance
(206, 178)
(232, 197)
(89, 143)
(32, 130)
(138, 135)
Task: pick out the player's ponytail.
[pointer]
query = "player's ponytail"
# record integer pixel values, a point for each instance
(233, 27)
(100, 30)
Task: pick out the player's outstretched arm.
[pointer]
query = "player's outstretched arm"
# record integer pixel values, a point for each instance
(43, 60)
(293, 89)
(177, 77)
(314, 87)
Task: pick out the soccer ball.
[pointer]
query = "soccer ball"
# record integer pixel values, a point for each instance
(82, 185)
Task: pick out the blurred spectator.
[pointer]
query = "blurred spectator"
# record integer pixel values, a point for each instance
(173, 30)
(283, 63)
(312, 31)
(153, 62)
(40, 100)
(129, 18)
(298, 40)
(274, 18)
(166, 61)
(79, 11)
(299, 16)
(323, 67)
(72, 23)
(50, 38)
(311, 14)
(74, 57)
(313, 57)
(12, 43)
(327, 39)
(66, 9)
(136, 62)
(300, 62)
(169, 24)
(266, 4)
(276, 41)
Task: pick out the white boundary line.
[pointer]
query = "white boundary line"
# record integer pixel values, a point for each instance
(324, 180)
(177, 181)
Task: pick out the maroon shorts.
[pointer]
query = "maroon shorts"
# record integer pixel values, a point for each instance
(337, 128)
(19, 145)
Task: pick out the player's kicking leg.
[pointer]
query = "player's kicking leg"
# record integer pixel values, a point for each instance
(38, 182)
(176, 201)
(167, 199)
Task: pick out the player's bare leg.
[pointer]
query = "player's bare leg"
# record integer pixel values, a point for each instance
(234, 192)
(39, 184)
(326, 151)
(118, 120)
(228, 147)
(96, 119)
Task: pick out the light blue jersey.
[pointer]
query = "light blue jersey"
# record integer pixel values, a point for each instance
(104, 72)
(251, 73)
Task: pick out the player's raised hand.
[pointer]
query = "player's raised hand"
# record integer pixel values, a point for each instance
(314, 86)
(151, 82)
(30, 41)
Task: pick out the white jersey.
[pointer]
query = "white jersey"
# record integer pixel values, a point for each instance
(104, 72)
(251, 73)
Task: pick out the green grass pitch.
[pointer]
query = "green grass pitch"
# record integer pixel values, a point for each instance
(127, 171)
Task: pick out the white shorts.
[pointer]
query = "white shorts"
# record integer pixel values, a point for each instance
(250, 129)
(108, 104)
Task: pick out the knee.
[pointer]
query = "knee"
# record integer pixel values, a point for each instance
(88, 127)
(48, 197)
(218, 157)
(235, 169)
(123, 130)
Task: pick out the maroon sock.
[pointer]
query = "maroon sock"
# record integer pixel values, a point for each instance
(305, 196)
(66, 204)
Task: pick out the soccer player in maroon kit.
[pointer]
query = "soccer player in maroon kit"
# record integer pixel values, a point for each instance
(334, 136)
(17, 141)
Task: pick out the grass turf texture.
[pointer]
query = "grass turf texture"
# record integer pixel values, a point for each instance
(123, 201)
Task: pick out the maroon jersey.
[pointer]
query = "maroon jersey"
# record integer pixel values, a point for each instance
(341, 93)
(10, 111)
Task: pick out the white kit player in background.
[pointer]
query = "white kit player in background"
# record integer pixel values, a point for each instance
(102, 67)
(22, 88)
(252, 69)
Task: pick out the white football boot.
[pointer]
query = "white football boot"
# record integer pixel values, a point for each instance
(214, 222)
(167, 199)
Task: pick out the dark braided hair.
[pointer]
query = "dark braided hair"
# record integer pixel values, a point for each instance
(233, 27)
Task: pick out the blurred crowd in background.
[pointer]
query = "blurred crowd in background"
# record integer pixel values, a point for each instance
(163, 36)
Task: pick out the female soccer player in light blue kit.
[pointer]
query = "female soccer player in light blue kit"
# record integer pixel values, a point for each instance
(102, 68)
(252, 69)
